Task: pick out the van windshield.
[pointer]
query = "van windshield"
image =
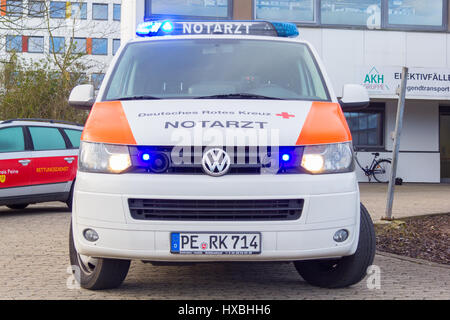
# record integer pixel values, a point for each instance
(216, 69)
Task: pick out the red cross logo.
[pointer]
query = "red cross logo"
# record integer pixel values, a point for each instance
(286, 115)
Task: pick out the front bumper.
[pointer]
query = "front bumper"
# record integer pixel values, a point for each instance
(331, 203)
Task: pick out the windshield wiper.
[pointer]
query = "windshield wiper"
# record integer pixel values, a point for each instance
(137, 98)
(239, 96)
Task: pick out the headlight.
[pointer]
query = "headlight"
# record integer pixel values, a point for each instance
(104, 158)
(329, 158)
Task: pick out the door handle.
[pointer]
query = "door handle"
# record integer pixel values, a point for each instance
(69, 159)
(24, 162)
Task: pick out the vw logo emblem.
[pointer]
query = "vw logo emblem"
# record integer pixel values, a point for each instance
(216, 162)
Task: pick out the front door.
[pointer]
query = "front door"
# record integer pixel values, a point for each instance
(445, 143)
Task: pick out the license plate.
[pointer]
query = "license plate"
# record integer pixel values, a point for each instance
(215, 243)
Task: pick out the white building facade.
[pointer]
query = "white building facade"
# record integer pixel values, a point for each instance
(92, 25)
(363, 42)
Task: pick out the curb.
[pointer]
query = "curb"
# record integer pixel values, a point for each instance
(413, 260)
(381, 222)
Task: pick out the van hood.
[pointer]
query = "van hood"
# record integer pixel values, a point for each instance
(214, 122)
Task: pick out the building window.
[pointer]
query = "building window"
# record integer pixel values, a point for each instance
(79, 10)
(14, 8)
(79, 78)
(117, 12)
(36, 9)
(57, 10)
(351, 12)
(79, 45)
(14, 43)
(367, 126)
(190, 8)
(287, 10)
(116, 45)
(367, 14)
(36, 44)
(97, 79)
(57, 45)
(99, 11)
(416, 12)
(100, 46)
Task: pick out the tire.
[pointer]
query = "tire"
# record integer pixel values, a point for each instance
(69, 201)
(382, 171)
(346, 271)
(18, 206)
(106, 274)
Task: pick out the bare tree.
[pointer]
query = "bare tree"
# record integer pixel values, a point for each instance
(61, 64)
(39, 18)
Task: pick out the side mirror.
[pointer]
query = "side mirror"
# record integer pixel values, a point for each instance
(82, 97)
(354, 97)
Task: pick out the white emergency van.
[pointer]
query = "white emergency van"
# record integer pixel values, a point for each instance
(218, 141)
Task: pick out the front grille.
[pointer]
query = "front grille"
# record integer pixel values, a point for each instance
(216, 210)
(241, 170)
(244, 160)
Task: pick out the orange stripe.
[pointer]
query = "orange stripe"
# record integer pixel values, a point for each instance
(325, 123)
(24, 44)
(3, 7)
(107, 123)
(68, 10)
(89, 45)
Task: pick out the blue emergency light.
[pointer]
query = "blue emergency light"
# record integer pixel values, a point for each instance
(257, 28)
(167, 26)
(145, 157)
(286, 157)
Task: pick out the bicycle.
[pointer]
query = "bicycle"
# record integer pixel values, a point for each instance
(379, 169)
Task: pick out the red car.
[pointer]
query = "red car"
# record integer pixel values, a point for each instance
(38, 161)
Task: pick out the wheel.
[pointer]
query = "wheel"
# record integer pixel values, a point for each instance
(382, 171)
(346, 271)
(97, 273)
(18, 206)
(70, 199)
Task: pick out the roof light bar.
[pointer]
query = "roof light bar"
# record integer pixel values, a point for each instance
(167, 26)
(285, 29)
(148, 28)
(258, 28)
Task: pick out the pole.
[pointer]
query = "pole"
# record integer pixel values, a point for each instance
(398, 132)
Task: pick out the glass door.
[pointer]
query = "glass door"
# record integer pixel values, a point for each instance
(445, 143)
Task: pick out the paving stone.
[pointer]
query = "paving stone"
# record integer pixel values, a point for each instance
(34, 260)
(411, 199)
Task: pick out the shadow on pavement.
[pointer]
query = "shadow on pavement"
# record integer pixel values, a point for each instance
(229, 277)
(6, 212)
